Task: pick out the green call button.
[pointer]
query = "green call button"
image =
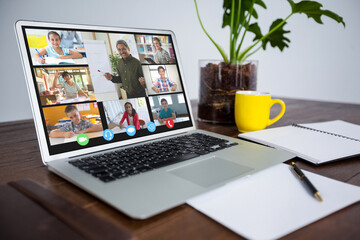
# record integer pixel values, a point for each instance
(82, 139)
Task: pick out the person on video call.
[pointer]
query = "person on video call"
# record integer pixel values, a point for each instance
(71, 88)
(163, 84)
(132, 118)
(161, 55)
(166, 112)
(55, 50)
(76, 126)
(130, 72)
(68, 37)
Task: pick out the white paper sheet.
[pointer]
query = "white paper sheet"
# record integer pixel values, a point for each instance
(273, 203)
(53, 60)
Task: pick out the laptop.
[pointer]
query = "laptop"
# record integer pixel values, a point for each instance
(121, 128)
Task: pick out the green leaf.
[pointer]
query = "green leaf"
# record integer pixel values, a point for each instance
(277, 38)
(245, 9)
(254, 28)
(312, 10)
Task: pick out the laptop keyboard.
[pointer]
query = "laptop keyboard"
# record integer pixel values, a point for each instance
(142, 158)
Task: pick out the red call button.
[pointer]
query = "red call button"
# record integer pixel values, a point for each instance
(169, 123)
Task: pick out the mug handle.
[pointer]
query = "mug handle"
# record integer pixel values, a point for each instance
(282, 104)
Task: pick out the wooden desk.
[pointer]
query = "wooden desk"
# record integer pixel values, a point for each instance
(20, 158)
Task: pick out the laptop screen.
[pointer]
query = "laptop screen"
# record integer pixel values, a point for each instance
(97, 87)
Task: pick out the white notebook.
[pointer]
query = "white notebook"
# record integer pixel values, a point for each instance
(273, 203)
(315, 142)
(53, 60)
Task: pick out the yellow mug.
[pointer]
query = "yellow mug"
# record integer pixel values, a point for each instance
(252, 110)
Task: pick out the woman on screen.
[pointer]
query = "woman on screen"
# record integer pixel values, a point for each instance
(132, 118)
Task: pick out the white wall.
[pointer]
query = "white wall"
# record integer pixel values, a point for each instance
(321, 63)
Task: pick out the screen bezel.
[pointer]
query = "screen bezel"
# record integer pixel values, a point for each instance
(44, 149)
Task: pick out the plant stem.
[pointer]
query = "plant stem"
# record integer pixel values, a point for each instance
(247, 24)
(238, 19)
(221, 50)
(239, 31)
(252, 53)
(232, 16)
(241, 57)
(236, 31)
(242, 24)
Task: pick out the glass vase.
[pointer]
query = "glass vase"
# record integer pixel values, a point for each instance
(219, 82)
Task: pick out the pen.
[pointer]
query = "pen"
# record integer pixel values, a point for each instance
(39, 53)
(307, 182)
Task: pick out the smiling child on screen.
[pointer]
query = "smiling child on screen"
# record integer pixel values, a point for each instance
(55, 50)
(76, 126)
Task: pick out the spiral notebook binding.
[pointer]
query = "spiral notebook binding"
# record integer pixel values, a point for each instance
(316, 130)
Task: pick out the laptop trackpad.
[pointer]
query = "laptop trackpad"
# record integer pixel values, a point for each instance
(210, 171)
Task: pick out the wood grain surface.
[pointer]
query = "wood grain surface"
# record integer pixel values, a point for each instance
(20, 159)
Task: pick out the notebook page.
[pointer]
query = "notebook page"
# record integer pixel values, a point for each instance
(310, 145)
(53, 60)
(273, 203)
(338, 127)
